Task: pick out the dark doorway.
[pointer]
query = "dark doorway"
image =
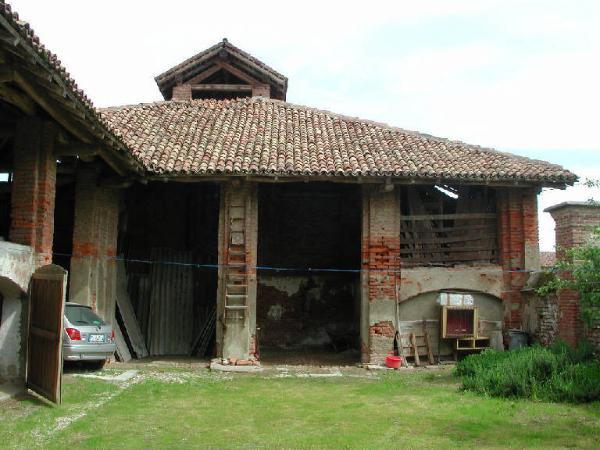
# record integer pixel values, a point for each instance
(308, 302)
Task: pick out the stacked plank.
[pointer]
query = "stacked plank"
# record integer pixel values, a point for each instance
(170, 328)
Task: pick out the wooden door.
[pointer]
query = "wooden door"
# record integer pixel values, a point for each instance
(44, 344)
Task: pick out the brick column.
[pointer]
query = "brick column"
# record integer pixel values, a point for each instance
(380, 261)
(519, 248)
(182, 92)
(93, 264)
(575, 222)
(34, 187)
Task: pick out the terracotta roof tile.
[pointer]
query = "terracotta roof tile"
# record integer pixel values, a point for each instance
(270, 137)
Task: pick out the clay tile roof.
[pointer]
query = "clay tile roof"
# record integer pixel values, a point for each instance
(269, 137)
(186, 68)
(24, 40)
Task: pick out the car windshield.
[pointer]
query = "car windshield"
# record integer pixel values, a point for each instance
(82, 315)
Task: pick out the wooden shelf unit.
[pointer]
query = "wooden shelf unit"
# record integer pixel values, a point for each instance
(470, 317)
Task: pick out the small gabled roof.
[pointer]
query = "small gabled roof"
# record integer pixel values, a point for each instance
(266, 137)
(222, 51)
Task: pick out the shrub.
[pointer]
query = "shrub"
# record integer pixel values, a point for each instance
(557, 374)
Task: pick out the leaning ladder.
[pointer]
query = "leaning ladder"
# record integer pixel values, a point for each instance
(236, 283)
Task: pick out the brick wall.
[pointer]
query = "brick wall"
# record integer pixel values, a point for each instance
(574, 225)
(93, 264)
(519, 251)
(182, 92)
(34, 187)
(380, 261)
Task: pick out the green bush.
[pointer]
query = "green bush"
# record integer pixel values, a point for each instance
(556, 374)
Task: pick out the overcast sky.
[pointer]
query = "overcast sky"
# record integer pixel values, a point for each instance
(520, 76)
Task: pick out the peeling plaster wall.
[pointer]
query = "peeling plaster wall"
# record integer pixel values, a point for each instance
(17, 263)
(425, 306)
(488, 279)
(308, 310)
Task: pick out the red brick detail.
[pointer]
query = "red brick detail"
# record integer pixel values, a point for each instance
(182, 92)
(34, 188)
(574, 225)
(380, 261)
(385, 328)
(518, 239)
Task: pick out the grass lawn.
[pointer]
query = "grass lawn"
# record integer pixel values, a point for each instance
(185, 408)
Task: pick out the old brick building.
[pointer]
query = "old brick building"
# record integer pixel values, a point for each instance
(299, 229)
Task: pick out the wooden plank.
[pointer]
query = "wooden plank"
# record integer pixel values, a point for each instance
(44, 343)
(427, 343)
(431, 249)
(445, 240)
(222, 87)
(122, 350)
(438, 228)
(420, 217)
(130, 322)
(413, 342)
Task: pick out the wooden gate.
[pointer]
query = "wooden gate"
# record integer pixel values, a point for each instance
(44, 344)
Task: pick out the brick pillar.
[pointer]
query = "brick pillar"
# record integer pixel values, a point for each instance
(34, 187)
(380, 261)
(575, 222)
(238, 238)
(95, 232)
(182, 92)
(519, 249)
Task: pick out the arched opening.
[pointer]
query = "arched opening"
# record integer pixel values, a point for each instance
(423, 312)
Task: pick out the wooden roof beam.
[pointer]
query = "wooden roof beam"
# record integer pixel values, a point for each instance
(222, 87)
(17, 99)
(238, 73)
(57, 114)
(74, 149)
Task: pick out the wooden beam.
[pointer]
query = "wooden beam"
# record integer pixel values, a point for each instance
(204, 74)
(56, 113)
(76, 150)
(115, 182)
(450, 216)
(7, 74)
(15, 98)
(222, 87)
(238, 73)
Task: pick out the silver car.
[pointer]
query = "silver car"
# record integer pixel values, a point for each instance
(86, 336)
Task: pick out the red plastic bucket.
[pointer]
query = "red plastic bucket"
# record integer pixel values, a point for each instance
(393, 362)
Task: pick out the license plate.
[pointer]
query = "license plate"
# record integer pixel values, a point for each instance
(96, 338)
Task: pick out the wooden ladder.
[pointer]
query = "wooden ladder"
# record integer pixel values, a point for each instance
(236, 283)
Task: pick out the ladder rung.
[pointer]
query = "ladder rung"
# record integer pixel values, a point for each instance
(236, 307)
(236, 296)
(237, 276)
